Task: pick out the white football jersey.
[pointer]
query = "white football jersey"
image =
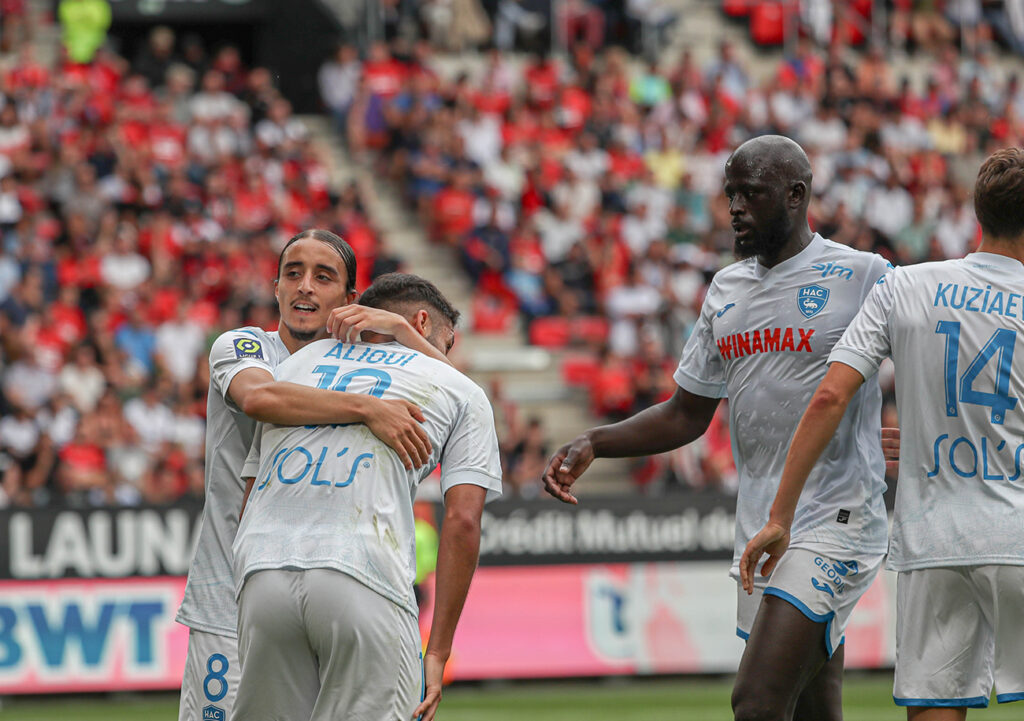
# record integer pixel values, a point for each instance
(336, 496)
(955, 331)
(209, 602)
(762, 340)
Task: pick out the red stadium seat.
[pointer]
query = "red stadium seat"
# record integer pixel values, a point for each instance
(592, 329)
(736, 8)
(580, 371)
(550, 332)
(493, 314)
(768, 23)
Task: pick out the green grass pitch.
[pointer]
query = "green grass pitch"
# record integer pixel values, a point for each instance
(867, 698)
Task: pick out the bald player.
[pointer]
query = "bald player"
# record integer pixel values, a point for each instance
(764, 333)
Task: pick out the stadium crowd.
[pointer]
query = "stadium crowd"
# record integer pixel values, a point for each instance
(142, 208)
(584, 194)
(143, 203)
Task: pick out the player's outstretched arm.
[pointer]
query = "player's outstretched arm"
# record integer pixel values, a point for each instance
(457, 555)
(348, 321)
(395, 422)
(680, 420)
(816, 429)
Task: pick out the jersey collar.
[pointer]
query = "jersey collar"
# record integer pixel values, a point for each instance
(996, 260)
(806, 254)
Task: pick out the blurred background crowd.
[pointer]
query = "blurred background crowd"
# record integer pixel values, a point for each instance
(570, 162)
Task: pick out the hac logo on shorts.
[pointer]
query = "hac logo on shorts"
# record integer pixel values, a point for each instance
(213, 713)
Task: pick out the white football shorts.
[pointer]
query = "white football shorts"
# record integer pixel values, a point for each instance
(211, 678)
(823, 584)
(958, 630)
(317, 644)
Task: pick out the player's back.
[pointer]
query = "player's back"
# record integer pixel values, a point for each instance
(336, 496)
(957, 335)
(209, 601)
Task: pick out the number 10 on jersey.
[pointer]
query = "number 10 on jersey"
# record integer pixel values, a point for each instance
(1000, 346)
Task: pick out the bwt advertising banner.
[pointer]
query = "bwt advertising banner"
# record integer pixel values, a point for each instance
(88, 597)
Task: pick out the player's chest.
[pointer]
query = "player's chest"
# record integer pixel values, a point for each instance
(793, 318)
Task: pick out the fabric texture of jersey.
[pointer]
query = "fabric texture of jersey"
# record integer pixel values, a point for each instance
(969, 638)
(955, 331)
(336, 496)
(762, 340)
(209, 602)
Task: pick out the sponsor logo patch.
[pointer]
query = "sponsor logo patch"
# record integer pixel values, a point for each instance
(811, 299)
(843, 517)
(720, 313)
(248, 348)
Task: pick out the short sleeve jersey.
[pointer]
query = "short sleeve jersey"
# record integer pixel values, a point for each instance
(209, 601)
(762, 339)
(337, 497)
(955, 331)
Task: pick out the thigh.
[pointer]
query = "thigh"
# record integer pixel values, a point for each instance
(944, 643)
(368, 648)
(280, 678)
(1007, 583)
(785, 651)
(822, 697)
(210, 682)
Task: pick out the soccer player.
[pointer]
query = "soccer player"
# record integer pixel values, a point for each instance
(766, 327)
(324, 557)
(951, 329)
(316, 273)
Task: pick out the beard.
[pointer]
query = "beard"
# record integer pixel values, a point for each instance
(303, 336)
(766, 242)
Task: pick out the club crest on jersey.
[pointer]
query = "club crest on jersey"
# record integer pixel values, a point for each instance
(248, 348)
(811, 299)
(213, 713)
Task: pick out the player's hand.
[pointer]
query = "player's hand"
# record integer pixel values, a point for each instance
(773, 539)
(348, 321)
(568, 464)
(433, 672)
(891, 450)
(397, 423)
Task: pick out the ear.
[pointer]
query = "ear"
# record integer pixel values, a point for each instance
(351, 297)
(276, 291)
(798, 193)
(421, 322)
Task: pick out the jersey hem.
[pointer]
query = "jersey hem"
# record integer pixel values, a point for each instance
(306, 565)
(205, 627)
(698, 387)
(954, 562)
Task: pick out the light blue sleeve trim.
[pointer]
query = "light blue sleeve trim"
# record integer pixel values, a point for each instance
(1008, 697)
(472, 477)
(698, 387)
(972, 702)
(816, 617)
(742, 634)
(853, 359)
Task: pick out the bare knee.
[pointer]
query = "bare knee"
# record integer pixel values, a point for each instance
(755, 704)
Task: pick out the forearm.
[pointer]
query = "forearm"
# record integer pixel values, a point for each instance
(290, 404)
(458, 551)
(817, 427)
(658, 429)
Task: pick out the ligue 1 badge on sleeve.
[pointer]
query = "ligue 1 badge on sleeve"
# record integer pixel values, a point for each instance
(213, 713)
(248, 348)
(811, 299)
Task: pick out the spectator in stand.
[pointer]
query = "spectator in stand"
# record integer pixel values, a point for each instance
(84, 26)
(338, 80)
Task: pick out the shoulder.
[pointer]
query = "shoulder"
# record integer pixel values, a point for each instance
(247, 343)
(737, 272)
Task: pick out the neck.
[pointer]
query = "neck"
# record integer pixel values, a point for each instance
(799, 239)
(1001, 246)
(292, 343)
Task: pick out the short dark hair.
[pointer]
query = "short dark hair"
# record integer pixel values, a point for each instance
(348, 256)
(392, 289)
(998, 192)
